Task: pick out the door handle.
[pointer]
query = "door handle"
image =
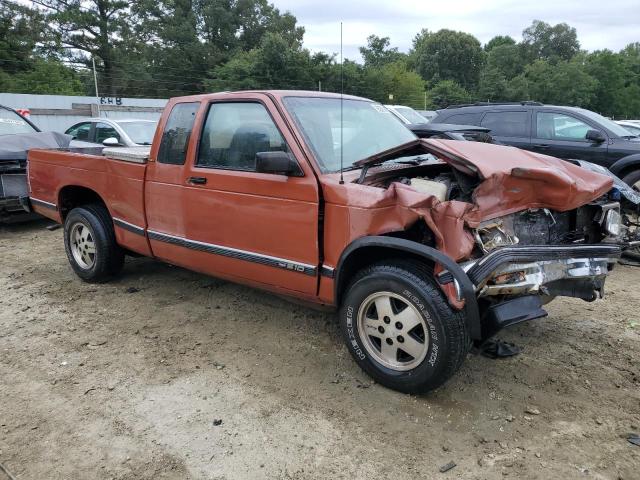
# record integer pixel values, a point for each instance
(197, 180)
(541, 146)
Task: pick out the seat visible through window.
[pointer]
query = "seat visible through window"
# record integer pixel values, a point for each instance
(234, 133)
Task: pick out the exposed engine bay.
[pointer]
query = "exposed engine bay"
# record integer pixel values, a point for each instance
(601, 221)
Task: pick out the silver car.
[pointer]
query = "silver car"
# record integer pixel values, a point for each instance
(111, 133)
(633, 126)
(406, 115)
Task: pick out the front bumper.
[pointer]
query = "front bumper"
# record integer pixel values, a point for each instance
(553, 270)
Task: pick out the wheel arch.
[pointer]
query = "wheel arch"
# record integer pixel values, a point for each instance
(366, 250)
(626, 165)
(72, 196)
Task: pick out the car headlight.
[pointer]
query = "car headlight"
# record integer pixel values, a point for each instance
(612, 221)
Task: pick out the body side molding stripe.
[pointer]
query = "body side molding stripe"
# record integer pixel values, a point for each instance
(128, 226)
(42, 203)
(326, 271)
(234, 253)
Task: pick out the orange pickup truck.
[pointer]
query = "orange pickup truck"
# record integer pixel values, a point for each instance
(423, 246)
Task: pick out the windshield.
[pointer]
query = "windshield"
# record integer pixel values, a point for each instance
(11, 123)
(605, 122)
(367, 128)
(411, 115)
(139, 132)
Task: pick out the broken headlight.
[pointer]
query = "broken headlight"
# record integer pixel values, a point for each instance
(612, 222)
(494, 234)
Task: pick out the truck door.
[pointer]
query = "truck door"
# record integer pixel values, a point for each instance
(562, 135)
(256, 228)
(164, 190)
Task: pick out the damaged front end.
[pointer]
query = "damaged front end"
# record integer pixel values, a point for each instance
(547, 253)
(525, 228)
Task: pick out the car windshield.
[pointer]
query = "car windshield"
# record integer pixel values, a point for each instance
(11, 123)
(367, 128)
(411, 115)
(605, 122)
(139, 132)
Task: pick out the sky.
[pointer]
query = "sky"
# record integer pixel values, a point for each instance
(611, 24)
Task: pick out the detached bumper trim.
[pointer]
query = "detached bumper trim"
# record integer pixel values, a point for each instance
(491, 262)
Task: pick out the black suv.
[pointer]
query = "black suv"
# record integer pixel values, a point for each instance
(564, 132)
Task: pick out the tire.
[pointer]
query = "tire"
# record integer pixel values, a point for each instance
(413, 297)
(633, 180)
(90, 243)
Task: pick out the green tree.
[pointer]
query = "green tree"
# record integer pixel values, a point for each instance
(378, 53)
(448, 92)
(497, 41)
(448, 55)
(26, 63)
(275, 64)
(562, 83)
(94, 28)
(612, 76)
(406, 86)
(546, 42)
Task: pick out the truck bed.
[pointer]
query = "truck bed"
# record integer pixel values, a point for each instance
(119, 182)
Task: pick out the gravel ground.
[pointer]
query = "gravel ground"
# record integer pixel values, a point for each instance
(168, 374)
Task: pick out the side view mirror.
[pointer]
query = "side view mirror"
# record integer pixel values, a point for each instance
(595, 136)
(278, 163)
(111, 142)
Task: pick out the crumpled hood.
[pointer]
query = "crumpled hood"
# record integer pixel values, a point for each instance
(512, 180)
(515, 179)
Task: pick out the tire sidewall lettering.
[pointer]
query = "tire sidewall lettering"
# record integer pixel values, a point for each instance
(354, 341)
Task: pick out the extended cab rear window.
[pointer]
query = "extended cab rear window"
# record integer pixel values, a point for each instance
(176, 134)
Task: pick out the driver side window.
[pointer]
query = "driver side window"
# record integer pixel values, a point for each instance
(558, 126)
(234, 133)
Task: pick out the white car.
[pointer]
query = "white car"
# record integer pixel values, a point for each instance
(406, 115)
(111, 133)
(633, 126)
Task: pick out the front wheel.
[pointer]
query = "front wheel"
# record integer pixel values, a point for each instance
(400, 328)
(90, 243)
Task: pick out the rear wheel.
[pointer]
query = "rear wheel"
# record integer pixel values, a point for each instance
(400, 328)
(90, 243)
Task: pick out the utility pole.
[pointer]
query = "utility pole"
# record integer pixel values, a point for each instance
(425, 99)
(95, 81)
(319, 85)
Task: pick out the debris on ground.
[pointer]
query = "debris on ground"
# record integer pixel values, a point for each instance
(217, 422)
(132, 290)
(53, 227)
(634, 439)
(498, 349)
(447, 467)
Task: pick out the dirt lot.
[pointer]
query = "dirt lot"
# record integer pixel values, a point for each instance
(127, 380)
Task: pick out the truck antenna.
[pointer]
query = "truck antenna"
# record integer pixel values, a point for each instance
(341, 102)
